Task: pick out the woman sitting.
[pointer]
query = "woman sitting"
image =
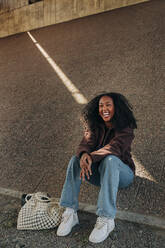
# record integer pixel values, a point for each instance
(103, 159)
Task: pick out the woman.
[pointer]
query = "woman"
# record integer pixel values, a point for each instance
(104, 159)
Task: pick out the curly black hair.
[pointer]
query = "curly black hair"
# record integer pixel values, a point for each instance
(123, 116)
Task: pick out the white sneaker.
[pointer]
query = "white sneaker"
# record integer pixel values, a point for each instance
(102, 229)
(69, 220)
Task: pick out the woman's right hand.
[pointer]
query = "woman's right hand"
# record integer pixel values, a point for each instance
(85, 165)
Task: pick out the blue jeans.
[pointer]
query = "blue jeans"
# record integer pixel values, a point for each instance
(110, 174)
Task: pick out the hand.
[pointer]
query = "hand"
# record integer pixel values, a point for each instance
(85, 165)
(85, 160)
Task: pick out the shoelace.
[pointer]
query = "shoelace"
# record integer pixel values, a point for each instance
(66, 216)
(100, 222)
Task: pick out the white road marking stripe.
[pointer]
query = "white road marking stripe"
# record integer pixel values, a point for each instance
(66, 81)
(142, 172)
(10, 192)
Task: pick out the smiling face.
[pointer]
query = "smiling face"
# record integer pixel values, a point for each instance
(106, 109)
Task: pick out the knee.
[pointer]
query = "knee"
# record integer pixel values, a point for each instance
(111, 158)
(110, 162)
(73, 163)
(74, 159)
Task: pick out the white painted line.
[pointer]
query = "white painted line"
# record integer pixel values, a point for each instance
(141, 171)
(10, 192)
(129, 216)
(141, 218)
(66, 81)
(121, 214)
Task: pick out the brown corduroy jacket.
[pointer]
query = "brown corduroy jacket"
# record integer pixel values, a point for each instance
(102, 142)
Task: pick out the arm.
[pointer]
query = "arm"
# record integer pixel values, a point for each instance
(117, 146)
(87, 144)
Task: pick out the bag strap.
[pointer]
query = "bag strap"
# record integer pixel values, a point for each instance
(28, 196)
(41, 197)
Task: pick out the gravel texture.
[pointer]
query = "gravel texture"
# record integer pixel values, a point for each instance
(125, 234)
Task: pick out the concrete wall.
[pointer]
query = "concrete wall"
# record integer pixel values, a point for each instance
(8, 5)
(18, 16)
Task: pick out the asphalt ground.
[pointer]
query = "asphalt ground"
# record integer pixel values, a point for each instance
(125, 235)
(122, 51)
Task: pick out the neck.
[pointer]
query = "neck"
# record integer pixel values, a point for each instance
(108, 124)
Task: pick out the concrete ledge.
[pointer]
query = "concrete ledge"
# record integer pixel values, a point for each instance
(48, 12)
(153, 221)
(130, 216)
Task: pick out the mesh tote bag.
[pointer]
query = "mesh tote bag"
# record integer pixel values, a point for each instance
(40, 211)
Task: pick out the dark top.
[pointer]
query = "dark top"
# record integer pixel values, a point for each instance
(102, 142)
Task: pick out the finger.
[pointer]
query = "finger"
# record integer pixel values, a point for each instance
(87, 174)
(83, 175)
(89, 165)
(89, 160)
(90, 171)
(80, 174)
(85, 161)
(84, 164)
(84, 156)
(81, 161)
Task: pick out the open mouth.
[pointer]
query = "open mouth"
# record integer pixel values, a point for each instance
(106, 114)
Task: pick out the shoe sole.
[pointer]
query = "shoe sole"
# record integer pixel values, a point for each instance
(65, 234)
(106, 236)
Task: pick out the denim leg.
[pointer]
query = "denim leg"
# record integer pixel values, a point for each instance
(71, 188)
(114, 174)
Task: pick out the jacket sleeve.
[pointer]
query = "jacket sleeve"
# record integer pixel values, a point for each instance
(87, 144)
(117, 146)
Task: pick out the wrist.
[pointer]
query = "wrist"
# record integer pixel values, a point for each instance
(83, 154)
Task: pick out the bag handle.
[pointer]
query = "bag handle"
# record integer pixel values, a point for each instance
(41, 197)
(27, 196)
